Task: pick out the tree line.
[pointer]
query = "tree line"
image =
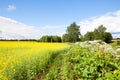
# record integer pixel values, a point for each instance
(73, 35)
(50, 38)
(98, 34)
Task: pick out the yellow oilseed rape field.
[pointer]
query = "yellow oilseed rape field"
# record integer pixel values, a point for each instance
(26, 60)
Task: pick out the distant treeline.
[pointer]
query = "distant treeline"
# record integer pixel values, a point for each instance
(46, 38)
(50, 38)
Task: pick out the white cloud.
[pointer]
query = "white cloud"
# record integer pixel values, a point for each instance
(54, 30)
(11, 7)
(110, 20)
(52, 27)
(11, 29)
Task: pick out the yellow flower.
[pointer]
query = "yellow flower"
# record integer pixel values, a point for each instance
(115, 72)
(15, 54)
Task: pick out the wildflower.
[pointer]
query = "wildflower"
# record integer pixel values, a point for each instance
(115, 72)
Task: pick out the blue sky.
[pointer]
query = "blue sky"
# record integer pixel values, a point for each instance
(56, 12)
(40, 13)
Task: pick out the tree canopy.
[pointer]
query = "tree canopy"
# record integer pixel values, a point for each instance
(72, 33)
(47, 38)
(99, 34)
(89, 36)
(107, 37)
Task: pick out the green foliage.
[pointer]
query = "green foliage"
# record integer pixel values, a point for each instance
(55, 39)
(82, 38)
(78, 63)
(50, 39)
(89, 36)
(99, 34)
(107, 37)
(82, 63)
(66, 38)
(72, 33)
(53, 72)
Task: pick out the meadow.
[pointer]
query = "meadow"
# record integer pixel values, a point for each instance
(89, 60)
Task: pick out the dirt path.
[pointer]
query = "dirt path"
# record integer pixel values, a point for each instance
(53, 71)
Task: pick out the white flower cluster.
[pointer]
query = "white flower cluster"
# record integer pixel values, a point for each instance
(118, 50)
(98, 45)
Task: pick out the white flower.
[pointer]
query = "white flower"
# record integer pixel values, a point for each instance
(118, 50)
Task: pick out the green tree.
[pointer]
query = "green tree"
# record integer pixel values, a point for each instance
(72, 33)
(107, 37)
(56, 39)
(82, 38)
(47, 38)
(43, 39)
(89, 36)
(66, 38)
(99, 32)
